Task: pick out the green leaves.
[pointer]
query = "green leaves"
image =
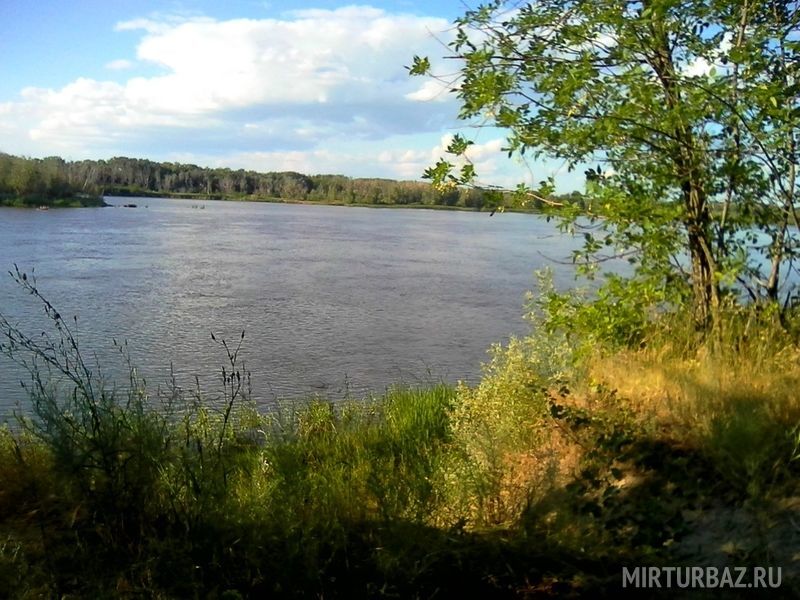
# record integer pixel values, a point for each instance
(458, 145)
(442, 174)
(419, 66)
(439, 174)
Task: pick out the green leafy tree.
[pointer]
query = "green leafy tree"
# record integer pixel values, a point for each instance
(690, 110)
(26, 178)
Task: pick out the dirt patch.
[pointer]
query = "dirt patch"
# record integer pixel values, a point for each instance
(725, 536)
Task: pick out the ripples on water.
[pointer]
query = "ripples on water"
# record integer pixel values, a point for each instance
(333, 300)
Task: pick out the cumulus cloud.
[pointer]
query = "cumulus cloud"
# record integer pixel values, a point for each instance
(288, 83)
(314, 57)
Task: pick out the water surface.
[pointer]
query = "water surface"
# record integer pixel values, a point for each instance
(332, 299)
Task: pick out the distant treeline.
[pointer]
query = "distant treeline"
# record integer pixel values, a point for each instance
(49, 181)
(53, 177)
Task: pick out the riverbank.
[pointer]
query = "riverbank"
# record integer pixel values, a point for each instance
(545, 479)
(129, 193)
(68, 202)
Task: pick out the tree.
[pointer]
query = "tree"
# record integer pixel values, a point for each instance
(688, 107)
(26, 178)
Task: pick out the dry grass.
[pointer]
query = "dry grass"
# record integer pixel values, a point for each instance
(739, 406)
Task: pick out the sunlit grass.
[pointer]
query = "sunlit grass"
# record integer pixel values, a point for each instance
(736, 398)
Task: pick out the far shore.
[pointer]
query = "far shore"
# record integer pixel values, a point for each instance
(274, 200)
(86, 201)
(34, 202)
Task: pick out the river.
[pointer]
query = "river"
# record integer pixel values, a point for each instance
(333, 300)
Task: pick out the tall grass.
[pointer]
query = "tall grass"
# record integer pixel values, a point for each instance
(733, 395)
(111, 489)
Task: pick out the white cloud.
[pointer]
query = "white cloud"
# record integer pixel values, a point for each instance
(698, 67)
(485, 151)
(487, 157)
(244, 84)
(405, 164)
(701, 66)
(431, 90)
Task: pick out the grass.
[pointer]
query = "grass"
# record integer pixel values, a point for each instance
(321, 500)
(540, 481)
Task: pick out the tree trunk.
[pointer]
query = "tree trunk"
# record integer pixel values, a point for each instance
(705, 290)
(705, 287)
(688, 163)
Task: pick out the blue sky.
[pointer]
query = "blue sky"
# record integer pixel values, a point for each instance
(313, 86)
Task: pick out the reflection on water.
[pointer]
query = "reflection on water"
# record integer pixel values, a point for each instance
(332, 299)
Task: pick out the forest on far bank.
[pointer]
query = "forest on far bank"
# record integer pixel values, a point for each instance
(42, 180)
